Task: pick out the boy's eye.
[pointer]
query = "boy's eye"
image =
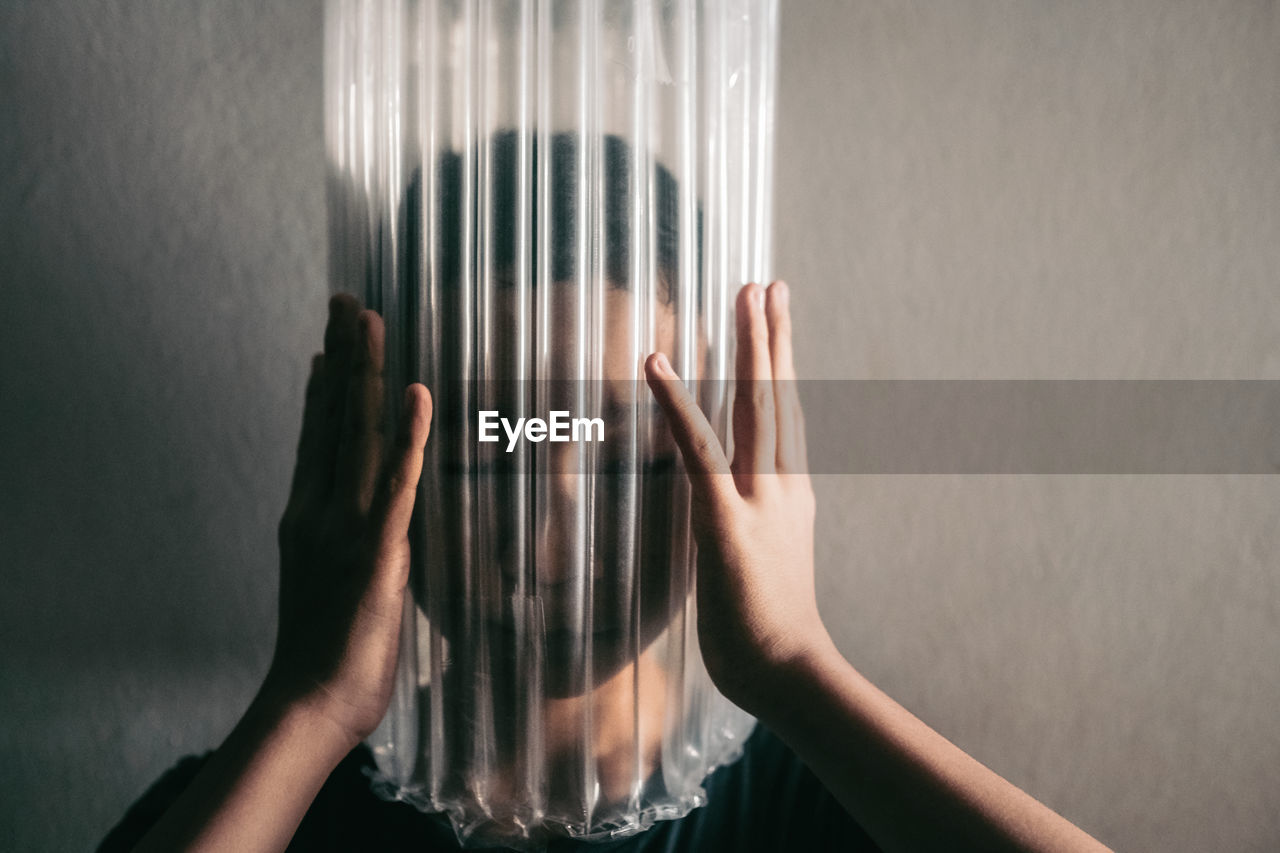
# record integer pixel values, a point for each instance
(660, 465)
(506, 466)
(650, 467)
(480, 468)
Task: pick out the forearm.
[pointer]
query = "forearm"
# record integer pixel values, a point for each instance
(254, 790)
(908, 786)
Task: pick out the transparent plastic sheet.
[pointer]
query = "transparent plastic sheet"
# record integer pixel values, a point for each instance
(535, 195)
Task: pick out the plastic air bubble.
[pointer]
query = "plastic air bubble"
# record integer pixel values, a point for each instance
(536, 195)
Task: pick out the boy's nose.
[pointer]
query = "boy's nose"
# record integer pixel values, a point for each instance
(562, 527)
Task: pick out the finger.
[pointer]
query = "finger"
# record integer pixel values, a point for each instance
(789, 417)
(339, 345)
(340, 334)
(754, 425)
(393, 507)
(310, 466)
(704, 459)
(360, 447)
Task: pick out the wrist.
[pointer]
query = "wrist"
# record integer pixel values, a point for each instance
(303, 714)
(789, 684)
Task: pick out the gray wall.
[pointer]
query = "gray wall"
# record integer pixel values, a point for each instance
(965, 189)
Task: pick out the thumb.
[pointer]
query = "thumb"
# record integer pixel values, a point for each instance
(703, 456)
(393, 505)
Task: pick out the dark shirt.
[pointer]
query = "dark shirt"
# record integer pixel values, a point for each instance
(767, 800)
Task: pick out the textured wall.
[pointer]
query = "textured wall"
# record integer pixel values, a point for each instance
(965, 189)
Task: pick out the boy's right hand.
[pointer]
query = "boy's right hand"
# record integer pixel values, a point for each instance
(344, 538)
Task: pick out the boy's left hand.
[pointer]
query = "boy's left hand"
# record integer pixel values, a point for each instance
(753, 519)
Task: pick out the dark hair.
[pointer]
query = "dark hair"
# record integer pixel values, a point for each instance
(616, 167)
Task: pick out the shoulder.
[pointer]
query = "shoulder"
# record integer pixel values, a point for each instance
(770, 800)
(345, 815)
(144, 813)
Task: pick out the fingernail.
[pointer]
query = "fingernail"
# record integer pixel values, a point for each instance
(406, 412)
(664, 366)
(782, 293)
(757, 296)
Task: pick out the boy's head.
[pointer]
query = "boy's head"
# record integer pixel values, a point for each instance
(526, 323)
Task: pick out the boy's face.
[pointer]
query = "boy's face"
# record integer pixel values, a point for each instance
(589, 555)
